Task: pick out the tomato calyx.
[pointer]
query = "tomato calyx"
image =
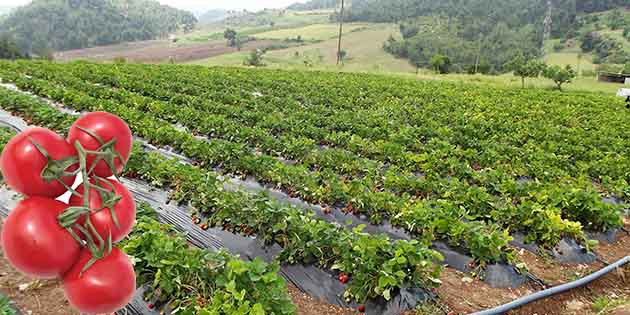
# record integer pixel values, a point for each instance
(106, 152)
(69, 219)
(55, 169)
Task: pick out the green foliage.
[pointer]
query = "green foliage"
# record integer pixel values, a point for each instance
(626, 32)
(560, 75)
(255, 58)
(343, 54)
(605, 48)
(5, 306)
(195, 281)
(558, 46)
(314, 5)
(327, 245)
(468, 31)
(606, 304)
(9, 48)
(68, 24)
(454, 156)
(481, 47)
(440, 63)
(616, 20)
(231, 36)
(526, 68)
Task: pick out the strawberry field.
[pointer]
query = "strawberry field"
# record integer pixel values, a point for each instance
(393, 177)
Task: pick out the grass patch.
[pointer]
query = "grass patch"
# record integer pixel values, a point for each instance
(311, 32)
(5, 306)
(603, 305)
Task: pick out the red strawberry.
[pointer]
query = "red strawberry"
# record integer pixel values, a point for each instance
(343, 278)
(361, 308)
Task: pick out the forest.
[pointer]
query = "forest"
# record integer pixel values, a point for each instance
(46, 25)
(483, 35)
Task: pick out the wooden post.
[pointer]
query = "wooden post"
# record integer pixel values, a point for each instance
(340, 32)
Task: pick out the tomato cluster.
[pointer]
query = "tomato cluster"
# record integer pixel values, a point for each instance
(46, 238)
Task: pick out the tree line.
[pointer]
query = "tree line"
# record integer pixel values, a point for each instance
(477, 35)
(70, 24)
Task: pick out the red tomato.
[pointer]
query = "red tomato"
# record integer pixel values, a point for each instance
(103, 221)
(34, 242)
(105, 287)
(107, 127)
(22, 163)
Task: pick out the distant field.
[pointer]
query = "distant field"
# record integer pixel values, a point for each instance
(572, 59)
(365, 54)
(157, 51)
(254, 25)
(569, 56)
(618, 35)
(584, 84)
(312, 32)
(364, 48)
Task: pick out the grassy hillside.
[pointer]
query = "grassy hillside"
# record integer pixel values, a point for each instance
(364, 48)
(312, 32)
(365, 54)
(258, 23)
(570, 55)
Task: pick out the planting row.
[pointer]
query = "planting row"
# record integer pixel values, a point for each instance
(190, 280)
(426, 219)
(303, 238)
(529, 133)
(543, 210)
(577, 199)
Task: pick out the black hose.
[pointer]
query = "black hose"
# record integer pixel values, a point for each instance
(555, 290)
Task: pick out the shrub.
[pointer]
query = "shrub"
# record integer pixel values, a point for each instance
(560, 75)
(441, 63)
(255, 58)
(558, 46)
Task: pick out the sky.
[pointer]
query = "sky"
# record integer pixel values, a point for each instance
(201, 5)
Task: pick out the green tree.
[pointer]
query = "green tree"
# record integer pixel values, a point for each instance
(616, 20)
(560, 75)
(238, 44)
(255, 58)
(9, 49)
(72, 24)
(526, 68)
(230, 35)
(342, 55)
(440, 63)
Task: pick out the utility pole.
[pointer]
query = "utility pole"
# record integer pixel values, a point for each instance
(547, 23)
(340, 32)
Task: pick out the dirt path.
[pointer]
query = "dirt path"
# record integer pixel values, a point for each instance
(463, 295)
(158, 51)
(46, 297)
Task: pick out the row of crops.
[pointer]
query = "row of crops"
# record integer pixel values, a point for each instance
(465, 165)
(319, 242)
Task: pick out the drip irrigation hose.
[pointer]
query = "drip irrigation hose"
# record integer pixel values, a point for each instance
(555, 290)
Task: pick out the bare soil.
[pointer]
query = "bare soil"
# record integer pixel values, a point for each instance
(30, 296)
(47, 298)
(157, 51)
(463, 296)
(459, 293)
